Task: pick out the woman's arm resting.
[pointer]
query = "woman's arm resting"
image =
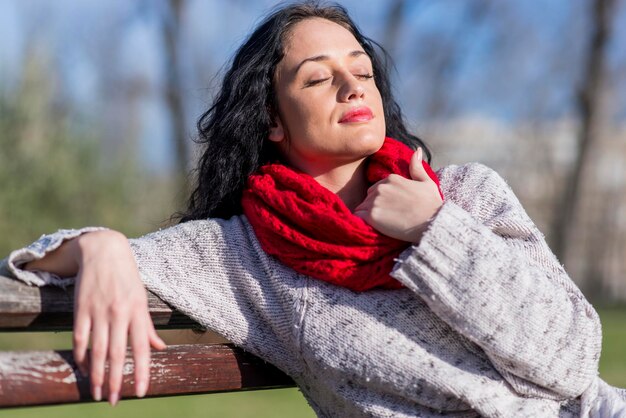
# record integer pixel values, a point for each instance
(110, 301)
(62, 262)
(210, 270)
(485, 269)
(30, 264)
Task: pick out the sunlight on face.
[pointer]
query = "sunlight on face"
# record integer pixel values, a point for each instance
(324, 75)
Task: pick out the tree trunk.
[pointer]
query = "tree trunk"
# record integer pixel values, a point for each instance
(174, 88)
(587, 103)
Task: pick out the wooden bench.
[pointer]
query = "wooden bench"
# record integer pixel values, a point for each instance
(52, 377)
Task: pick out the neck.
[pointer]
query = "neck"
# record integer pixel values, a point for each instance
(347, 181)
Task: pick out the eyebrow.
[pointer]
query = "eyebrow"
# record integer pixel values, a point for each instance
(319, 58)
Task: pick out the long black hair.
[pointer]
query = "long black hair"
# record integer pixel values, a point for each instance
(235, 128)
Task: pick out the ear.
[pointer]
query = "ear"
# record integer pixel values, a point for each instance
(277, 133)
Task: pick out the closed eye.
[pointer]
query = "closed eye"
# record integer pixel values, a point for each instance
(314, 82)
(321, 80)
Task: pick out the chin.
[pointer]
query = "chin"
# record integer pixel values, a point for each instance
(363, 140)
(372, 142)
(364, 147)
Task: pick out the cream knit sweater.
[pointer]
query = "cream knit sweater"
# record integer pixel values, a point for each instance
(489, 323)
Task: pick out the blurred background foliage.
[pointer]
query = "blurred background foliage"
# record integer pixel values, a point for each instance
(98, 102)
(56, 174)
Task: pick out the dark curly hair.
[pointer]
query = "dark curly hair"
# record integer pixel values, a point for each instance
(235, 128)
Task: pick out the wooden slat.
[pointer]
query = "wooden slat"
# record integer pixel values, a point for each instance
(50, 308)
(51, 377)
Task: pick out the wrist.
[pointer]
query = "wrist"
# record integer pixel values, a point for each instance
(421, 229)
(94, 243)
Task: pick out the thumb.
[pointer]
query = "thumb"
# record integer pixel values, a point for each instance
(416, 167)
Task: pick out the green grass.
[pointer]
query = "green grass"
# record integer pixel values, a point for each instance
(257, 404)
(253, 404)
(613, 359)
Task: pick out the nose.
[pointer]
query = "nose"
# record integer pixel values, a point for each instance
(351, 89)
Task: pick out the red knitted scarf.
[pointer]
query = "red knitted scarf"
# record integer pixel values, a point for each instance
(308, 228)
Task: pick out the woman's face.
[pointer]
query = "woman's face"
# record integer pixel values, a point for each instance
(324, 76)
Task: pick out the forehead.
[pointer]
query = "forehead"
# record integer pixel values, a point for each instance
(317, 36)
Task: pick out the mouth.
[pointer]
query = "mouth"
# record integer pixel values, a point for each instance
(357, 114)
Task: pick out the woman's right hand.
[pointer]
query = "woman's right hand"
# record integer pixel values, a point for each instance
(110, 302)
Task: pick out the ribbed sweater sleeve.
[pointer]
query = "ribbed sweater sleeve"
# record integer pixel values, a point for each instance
(210, 270)
(485, 269)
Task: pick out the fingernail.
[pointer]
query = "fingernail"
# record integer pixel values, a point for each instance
(141, 389)
(97, 393)
(113, 398)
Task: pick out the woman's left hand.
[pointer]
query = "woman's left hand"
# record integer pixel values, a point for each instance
(399, 207)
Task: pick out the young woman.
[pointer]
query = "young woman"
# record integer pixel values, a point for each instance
(318, 240)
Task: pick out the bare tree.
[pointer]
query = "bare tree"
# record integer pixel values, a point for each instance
(587, 103)
(174, 86)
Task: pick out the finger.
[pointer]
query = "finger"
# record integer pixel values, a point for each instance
(117, 354)
(416, 166)
(80, 338)
(141, 355)
(156, 341)
(99, 341)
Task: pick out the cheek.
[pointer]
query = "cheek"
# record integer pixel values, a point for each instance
(307, 112)
(379, 99)
(380, 109)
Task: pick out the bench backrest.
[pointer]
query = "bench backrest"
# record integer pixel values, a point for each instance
(52, 377)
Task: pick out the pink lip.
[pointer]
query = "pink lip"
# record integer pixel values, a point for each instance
(358, 114)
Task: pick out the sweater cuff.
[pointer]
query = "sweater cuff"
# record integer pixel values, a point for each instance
(37, 250)
(440, 253)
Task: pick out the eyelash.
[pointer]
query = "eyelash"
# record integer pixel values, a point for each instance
(315, 82)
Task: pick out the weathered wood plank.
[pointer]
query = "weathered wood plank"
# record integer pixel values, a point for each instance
(51, 377)
(50, 308)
